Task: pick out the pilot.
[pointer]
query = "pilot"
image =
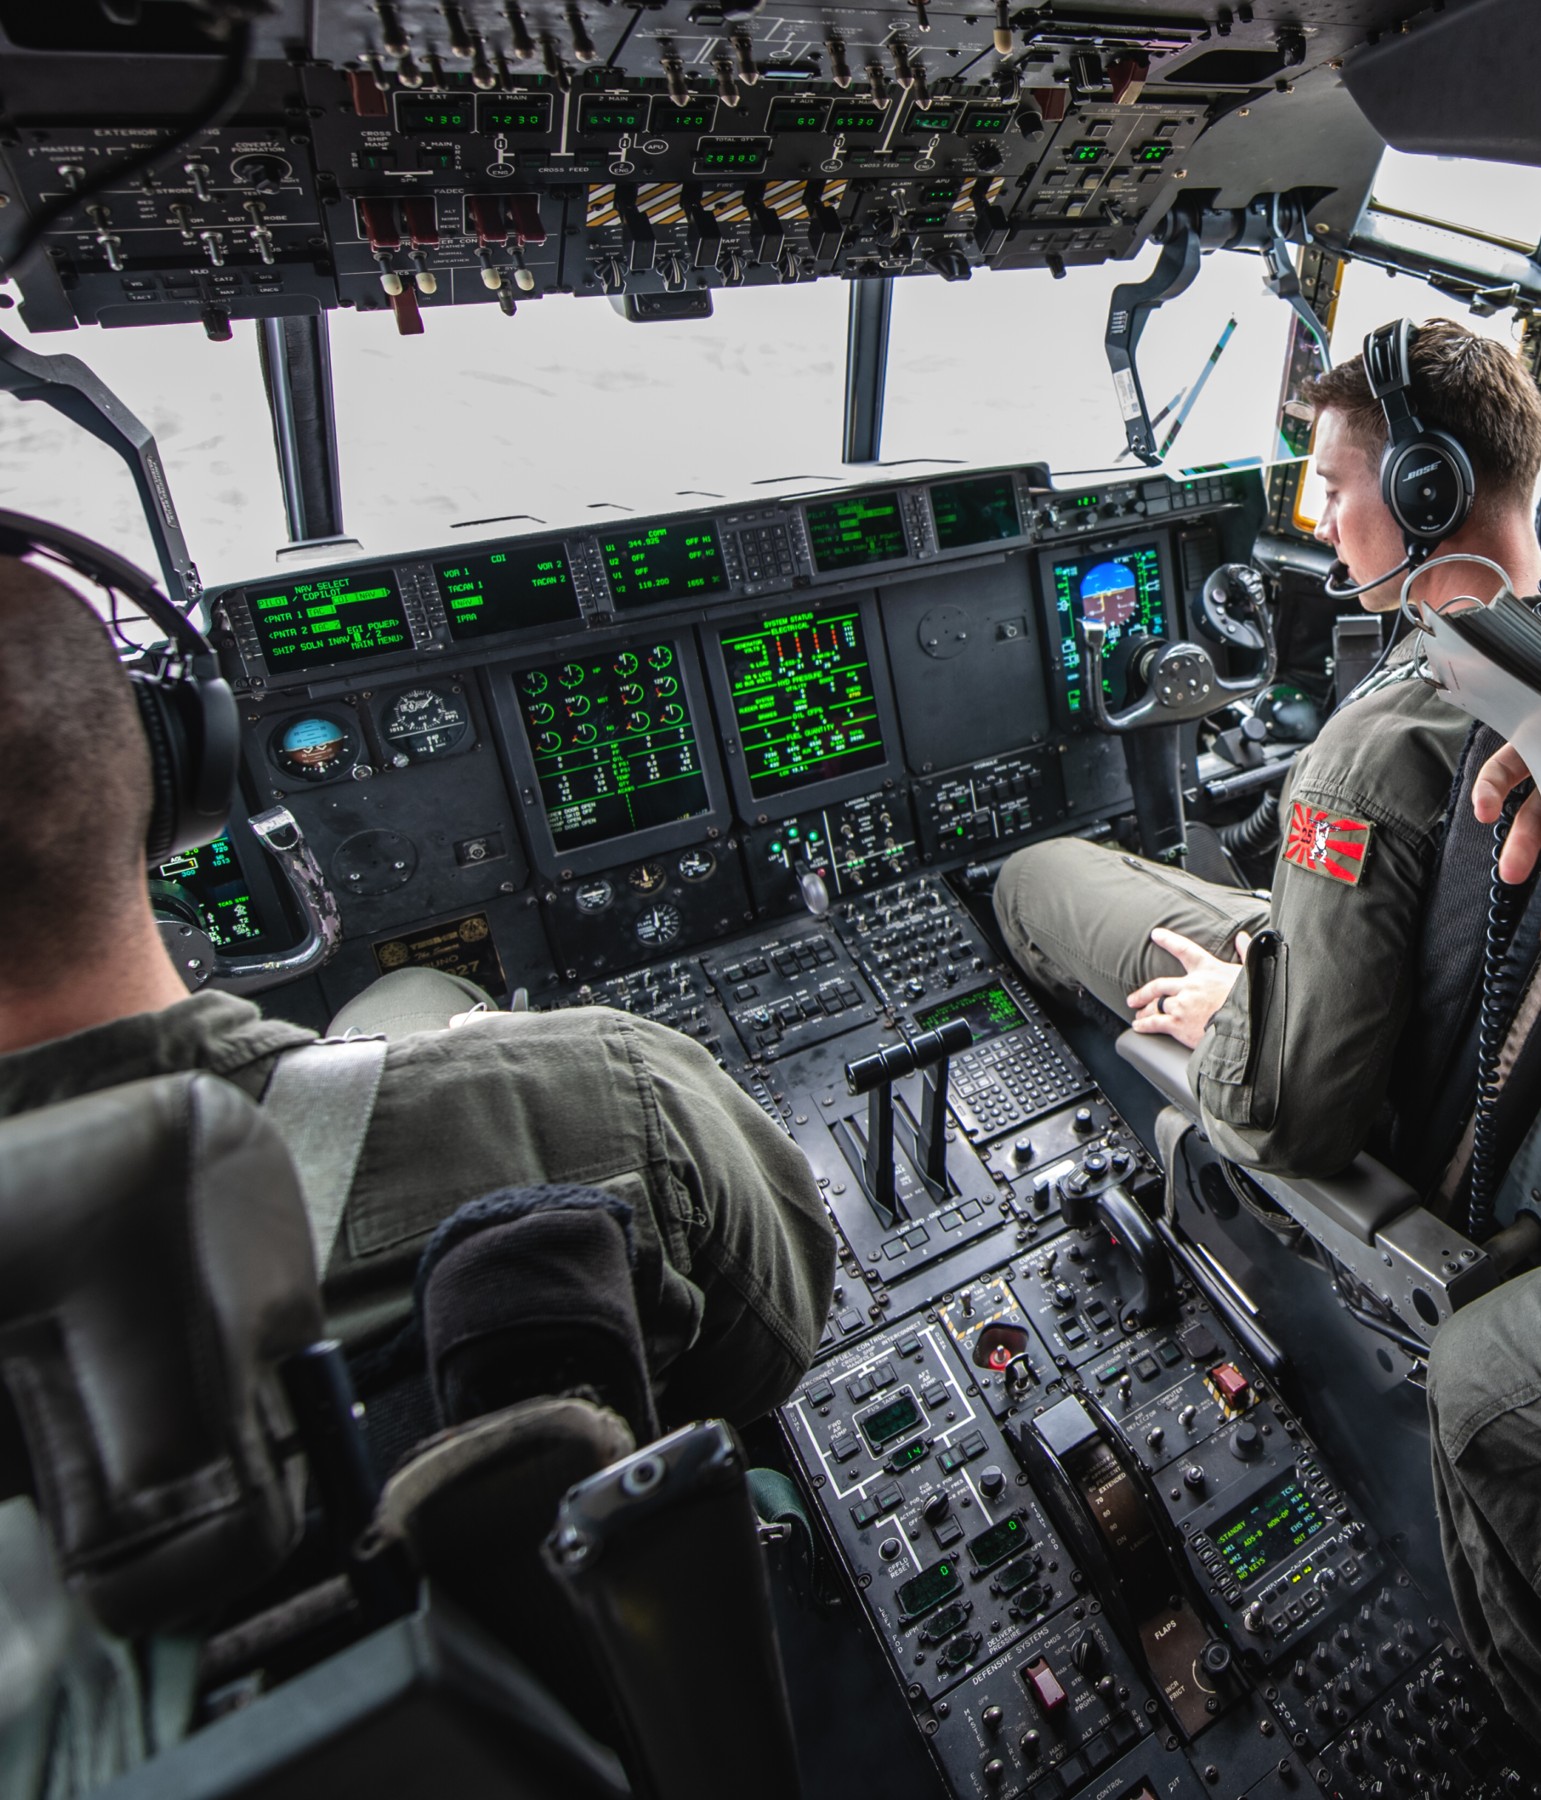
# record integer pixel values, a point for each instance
(735, 1254)
(1293, 1062)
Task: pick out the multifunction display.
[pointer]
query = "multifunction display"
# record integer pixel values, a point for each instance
(989, 1010)
(655, 563)
(329, 619)
(210, 879)
(803, 700)
(614, 743)
(1123, 591)
(507, 590)
(1268, 1531)
(975, 512)
(854, 531)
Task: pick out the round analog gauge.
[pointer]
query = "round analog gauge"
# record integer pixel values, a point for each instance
(659, 925)
(660, 656)
(625, 663)
(673, 713)
(571, 675)
(423, 722)
(696, 865)
(534, 682)
(647, 878)
(314, 747)
(664, 686)
(594, 896)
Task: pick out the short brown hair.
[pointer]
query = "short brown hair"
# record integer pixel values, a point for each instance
(1478, 391)
(74, 777)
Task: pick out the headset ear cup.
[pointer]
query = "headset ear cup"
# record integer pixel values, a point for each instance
(1428, 486)
(162, 732)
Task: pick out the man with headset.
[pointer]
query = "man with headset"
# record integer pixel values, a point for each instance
(734, 1254)
(1434, 447)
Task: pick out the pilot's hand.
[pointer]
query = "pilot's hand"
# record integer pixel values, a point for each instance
(1504, 770)
(1180, 1006)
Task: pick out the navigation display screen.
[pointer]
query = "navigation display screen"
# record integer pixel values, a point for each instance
(329, 619)
(1268, 1531)
(850, 534)
(975, 512)
(614, 743)
(663, 562)
(989, 1010)
(803, 700)
(1124, 590)
(507, 590)
(211, 878)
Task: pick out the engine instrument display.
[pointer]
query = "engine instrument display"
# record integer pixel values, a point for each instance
(655, 563)
(210, 879)
(1122, 590)
(613, 742)
(516, 589)
(854, 531)
(975, 512)
(990, 1011)
(330, 619)
(803, 700)
(1267, 1531)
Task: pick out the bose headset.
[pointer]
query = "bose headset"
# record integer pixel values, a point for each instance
(1426, 477)
(185, 705)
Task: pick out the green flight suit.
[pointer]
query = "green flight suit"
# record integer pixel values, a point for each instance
(1294, 1067)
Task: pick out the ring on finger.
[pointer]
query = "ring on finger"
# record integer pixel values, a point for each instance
(1161, 1004)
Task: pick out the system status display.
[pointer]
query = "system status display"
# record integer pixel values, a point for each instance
(803, 701)
(1122, 591)
(1268, 1531)
(330, 619)
(975, 512)
(663, 562)
(210, 879)
(614, 744)
(851, 533)
(507, 590)
(990, 1011)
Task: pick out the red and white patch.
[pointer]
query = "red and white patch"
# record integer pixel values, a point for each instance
(1326, 843)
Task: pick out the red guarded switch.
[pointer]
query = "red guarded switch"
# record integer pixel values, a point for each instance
(524, 210)
(380, 224)
(489, 219)
(1044, 1686)
(1230, 1384)
(422, 223)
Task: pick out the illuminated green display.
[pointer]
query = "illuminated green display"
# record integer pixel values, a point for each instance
(1086, 153)
(896, 1419)
(797, 115)
(989, 1011)
(975, 512)
(803, 701)
(744, 155)
(512, 589)
(850, 533)
(932, 120)
(926, 1590)
(1122, 591)
(656, 563)
(437, 115)
(1268, 1531)
(669, 120)
(599, 117)
(984, 121)
(1152, 153)
(999, 1542)
(856, 121)
(210, 879)
(515, 118)
(613, 742)
(330, 619)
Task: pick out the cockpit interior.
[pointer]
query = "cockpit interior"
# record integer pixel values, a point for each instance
(1110, 1480)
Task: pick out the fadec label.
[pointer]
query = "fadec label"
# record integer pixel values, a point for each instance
(1327, 843)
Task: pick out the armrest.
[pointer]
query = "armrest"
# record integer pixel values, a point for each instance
(1360, 1199)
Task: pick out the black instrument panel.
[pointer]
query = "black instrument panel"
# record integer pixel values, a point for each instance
(639, 738)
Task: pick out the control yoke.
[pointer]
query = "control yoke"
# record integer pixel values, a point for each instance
(199, 962)
(1179, 679)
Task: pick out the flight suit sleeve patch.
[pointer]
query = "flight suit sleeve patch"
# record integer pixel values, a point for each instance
(1327, 843)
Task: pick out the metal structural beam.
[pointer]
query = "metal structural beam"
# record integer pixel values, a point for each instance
(866, 368)
(297, 372)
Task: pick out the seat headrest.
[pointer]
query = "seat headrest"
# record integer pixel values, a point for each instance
(155, 1268)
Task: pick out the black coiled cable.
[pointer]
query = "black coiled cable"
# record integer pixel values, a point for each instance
(1258, 831)
(1501, 987)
